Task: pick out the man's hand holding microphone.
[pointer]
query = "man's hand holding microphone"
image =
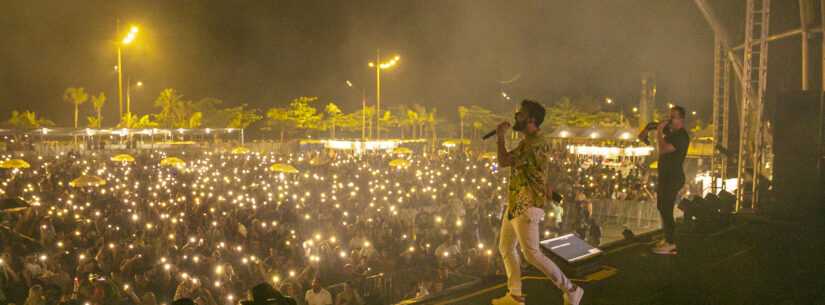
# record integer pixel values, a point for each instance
(501, 130)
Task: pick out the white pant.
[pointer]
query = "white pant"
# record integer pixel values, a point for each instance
(524, 231)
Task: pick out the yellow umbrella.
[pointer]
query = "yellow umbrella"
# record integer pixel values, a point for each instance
(87, 180)
(283, 168)
(400, 163)
(240, 150)
(172, 161)
(487, 156)
(402, 151)
(123, 158)
(14, 163)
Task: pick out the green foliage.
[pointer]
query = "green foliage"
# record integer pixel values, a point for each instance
(92, 122)
(354, 120)
(26, 120)
(334, 117)
(146, 122)
(174, 111)
(565, 112)
(97, 103)
(278, 118)
(303, 114)
(75, 96)
(241, 117)
(350, 122)
(133, 121)
(212, 115)
(195, 120)
(388, 120)
(482, 118)
(462, 112)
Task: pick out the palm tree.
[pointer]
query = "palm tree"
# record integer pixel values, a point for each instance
(76, 96)
(412, 121)
(422, 119)
(335, 115)
(174, 111)
(431, 120)
(196, 120)
(462, 113)
(476, 128)
(366, 116)
(97, 103)
(92, 122)
(23, 120)
(388, 120)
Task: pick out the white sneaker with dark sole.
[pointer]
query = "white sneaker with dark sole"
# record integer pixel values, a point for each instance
(575, 297)
(665, 248)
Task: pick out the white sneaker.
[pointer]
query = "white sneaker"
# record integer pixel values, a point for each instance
(507, 300)
(665, 248)
(574, 297)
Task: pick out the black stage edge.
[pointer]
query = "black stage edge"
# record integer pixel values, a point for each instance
(752, 261)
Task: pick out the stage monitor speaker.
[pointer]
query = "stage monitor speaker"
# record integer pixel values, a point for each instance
(573, 255)
(797, 133)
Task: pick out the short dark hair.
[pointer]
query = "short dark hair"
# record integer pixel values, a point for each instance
(534, 110)
(680, 110)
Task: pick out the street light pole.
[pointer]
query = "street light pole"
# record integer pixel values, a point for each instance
(363, 114)
(119, 82)
(378, 95)
(378, 65)
(128, 96)
(130, 36)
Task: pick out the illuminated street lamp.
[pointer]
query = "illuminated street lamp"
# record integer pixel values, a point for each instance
(609, 101)
(635, 109)
(127, 40)
(379, 65)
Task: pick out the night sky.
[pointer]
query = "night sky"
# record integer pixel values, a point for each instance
(265, 53)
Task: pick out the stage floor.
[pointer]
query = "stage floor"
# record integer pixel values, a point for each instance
(742, 264)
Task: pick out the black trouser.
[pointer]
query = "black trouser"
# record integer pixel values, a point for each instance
(665, 200)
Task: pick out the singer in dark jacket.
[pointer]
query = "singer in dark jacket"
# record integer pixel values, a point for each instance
(672, 142)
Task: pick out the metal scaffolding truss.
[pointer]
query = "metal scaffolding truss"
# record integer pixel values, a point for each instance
(751, 71)
(721, 111)
(755, 74)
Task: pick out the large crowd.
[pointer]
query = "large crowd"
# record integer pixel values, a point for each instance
(353, 227)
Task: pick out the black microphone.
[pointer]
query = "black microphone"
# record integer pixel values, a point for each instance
(489, 135)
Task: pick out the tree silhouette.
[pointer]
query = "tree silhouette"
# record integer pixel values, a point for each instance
(75, 96)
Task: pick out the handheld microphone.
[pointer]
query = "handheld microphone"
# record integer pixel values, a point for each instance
(489, 135)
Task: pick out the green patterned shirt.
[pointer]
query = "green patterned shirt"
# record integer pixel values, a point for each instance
(528, 175)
